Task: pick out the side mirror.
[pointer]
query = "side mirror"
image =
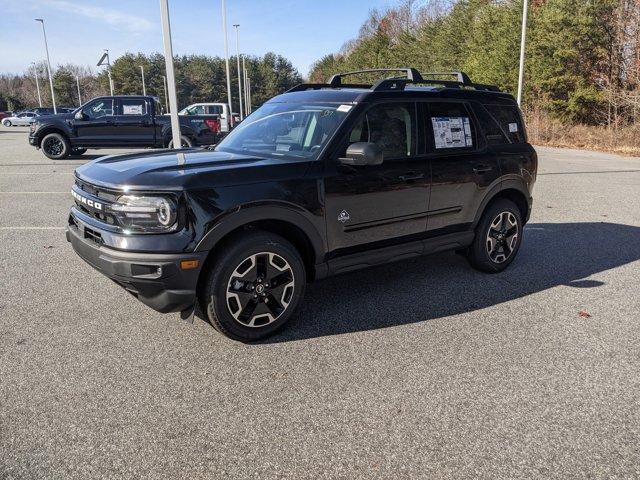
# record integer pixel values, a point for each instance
(80, 115)
(361, 154)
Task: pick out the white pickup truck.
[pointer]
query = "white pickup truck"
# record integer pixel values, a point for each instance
(227, 122)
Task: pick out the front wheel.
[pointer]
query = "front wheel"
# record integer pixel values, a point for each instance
(55, 146)
(7, 123)
(498, 237)
(254, 286)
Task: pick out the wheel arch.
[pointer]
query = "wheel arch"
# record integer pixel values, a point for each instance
(52, 129)
(513, 191)
(288, 223)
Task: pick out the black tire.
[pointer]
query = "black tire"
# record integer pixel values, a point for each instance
(6, 123)
(184, 140)
(55, 146)
(494, 246)
(232, 308)
(78, 151)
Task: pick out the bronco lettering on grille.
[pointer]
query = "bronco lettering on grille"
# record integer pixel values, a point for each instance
(86, 201)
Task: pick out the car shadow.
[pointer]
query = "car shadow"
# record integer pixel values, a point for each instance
(417, 290)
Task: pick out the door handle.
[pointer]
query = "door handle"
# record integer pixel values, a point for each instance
(482, 169)
(411, 176)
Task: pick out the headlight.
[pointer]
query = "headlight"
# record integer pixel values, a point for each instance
(145, 214)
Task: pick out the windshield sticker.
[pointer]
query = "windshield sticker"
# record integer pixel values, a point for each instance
(344, 108)
(513, 127)
(452, 132)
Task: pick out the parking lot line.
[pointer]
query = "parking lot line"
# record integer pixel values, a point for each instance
(31, 228)
(30, 193)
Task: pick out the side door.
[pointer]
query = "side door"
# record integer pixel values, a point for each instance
(462, 166)
(373, 205)
(96, 128)
(134, 122)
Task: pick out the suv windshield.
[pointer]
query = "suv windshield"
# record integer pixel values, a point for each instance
(286, 130)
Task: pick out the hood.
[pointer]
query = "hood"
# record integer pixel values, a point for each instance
(172, 170)
(51, 117)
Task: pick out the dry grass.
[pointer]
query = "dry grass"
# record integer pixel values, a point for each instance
(544, 130)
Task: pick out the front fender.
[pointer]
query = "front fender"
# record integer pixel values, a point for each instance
(262, 212)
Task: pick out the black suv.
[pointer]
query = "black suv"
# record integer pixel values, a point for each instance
(321, 180)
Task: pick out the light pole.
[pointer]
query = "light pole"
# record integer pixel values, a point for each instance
(105, 56)
(170, 79)
(523, 41)
(35, 69)
(46, 47)
(144, 87)
(166, 98)
(247, 94)
(79, 96)
(226, 58)
(236, 26)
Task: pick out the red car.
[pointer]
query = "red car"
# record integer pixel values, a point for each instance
(5, 115)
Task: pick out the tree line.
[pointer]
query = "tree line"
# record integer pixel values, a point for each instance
(199, 78)
(582, 56)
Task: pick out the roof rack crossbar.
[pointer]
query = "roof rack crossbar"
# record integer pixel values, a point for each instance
(319, 86)
(401, 83)
(411, 73)
(461, 76)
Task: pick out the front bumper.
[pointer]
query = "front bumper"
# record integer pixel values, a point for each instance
(33, 140)
(157, 280)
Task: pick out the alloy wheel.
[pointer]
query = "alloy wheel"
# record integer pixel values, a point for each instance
(54, 146)
(260, 289)
(502, 237)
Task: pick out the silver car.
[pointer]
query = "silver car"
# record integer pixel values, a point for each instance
(23, 119)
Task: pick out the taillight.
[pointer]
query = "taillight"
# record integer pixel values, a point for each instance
(213, 124)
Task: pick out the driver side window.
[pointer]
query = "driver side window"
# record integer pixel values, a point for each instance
(390, 126)
(99, 108)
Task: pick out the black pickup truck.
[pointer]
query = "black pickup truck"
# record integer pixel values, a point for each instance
(124, 121)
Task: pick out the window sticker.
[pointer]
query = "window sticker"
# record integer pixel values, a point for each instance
(513, 127)
(344, 108)
(452, 132)
(132, 109)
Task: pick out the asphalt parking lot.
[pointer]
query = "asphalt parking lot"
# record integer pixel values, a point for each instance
(417, 369)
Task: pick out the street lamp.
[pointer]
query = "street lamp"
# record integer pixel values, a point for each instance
(46, 48)
(226, 57)
(523, 41)
(144, 87)
(35, 69)
(170, 78)
(236, 26)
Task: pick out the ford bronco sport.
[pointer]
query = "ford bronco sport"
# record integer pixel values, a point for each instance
(323, 179)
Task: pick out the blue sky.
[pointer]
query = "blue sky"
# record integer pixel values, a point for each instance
(78, 30)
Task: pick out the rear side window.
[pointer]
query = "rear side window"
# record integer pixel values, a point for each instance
(492, 131)
(450, 127)
(214, 109)
(509, 119)
(133, 106)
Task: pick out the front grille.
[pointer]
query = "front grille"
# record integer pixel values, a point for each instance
(105, 195)
(94, 235)
(100, 192)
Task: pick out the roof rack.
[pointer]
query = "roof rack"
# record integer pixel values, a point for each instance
(412, 77)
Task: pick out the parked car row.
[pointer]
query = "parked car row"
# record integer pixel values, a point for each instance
(25, 118)
(125, 121)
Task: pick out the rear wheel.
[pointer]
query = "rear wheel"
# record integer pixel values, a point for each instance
(55, 146)
(498, 237)
(254, 286)
(185, 141)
